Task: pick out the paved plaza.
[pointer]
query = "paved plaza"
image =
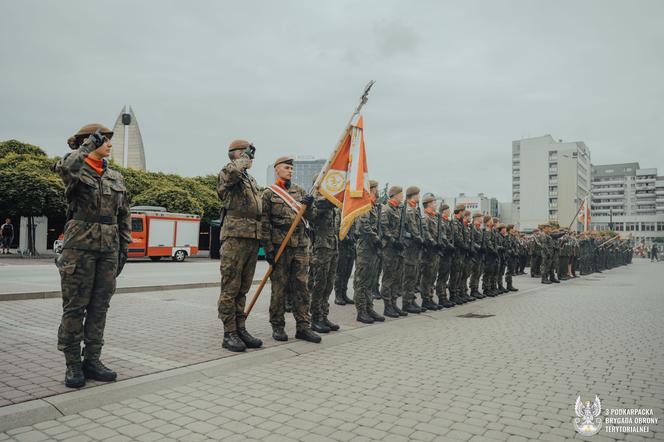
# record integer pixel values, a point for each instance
(512, 372)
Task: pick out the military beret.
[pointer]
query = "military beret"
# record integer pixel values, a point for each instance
(466, 212)
(477, 215)
(500, 226)
(536, 230)
(394, 190)
(75, 140)
(428, 198)
(459, 208)
(509, 227)
(238, 144)
(282, 160)
(496, 220)
(412, 190)
(444, 206)
(373, 184)
(487, 218)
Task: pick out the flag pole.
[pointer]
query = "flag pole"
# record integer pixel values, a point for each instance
(314, 189)
(577, 213)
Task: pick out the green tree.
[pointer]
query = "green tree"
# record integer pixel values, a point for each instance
(17, 147)
(170, 197)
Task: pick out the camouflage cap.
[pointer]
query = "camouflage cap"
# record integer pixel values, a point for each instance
(238, 145)
(412, 190)
(459, 208)
(466, 212)
(444, 206)
(478, 215)
(283, 160)
(487, 218)
(500, 226)
(428, 197)
(510, 227)
(373, 184)
(394, 190)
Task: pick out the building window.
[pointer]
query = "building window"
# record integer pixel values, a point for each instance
(648, 227)
(660, 226)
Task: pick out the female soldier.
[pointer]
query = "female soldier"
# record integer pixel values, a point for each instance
(96, 238)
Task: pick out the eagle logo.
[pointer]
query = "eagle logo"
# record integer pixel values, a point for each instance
(588, 423)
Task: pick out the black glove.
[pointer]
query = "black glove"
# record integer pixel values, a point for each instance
(122, 259)
(399, 246)
(97, 138)
(269, 257)
(378, 244)
(307, 200)
(250, 151)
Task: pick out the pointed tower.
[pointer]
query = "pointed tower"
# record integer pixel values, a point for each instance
(127, 141)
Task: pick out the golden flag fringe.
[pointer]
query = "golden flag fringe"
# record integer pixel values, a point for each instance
(346, 183)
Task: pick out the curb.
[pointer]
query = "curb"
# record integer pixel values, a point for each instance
(139, 289)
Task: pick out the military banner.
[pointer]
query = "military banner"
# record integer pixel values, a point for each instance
(584, 215)
(345, 183)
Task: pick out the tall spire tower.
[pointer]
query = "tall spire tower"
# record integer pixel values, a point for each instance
(127, 141)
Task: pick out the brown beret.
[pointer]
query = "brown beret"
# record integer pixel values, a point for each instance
(373, 184)
(477, 215)
(75, 140)
(510, 227)
(238, 144)
(487, 218)
(444, 206)
(281, 160)
(460, 207)
(428, 198)
(466, 212)
(394, 190)
(412, 190)
(500, 226)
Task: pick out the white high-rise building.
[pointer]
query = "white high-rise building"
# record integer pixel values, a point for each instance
(550, 179)
(629, 200)
(127, 141)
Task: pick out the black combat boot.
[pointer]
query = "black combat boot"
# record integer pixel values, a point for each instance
(332, 326)
(412, 308)
(232, 342)
(348, 300)
(429, 305)
(376, 316)
(446, 303)
(278, 334)
(249, 340)
(377, 295)
(339, 298)
(390, 311)
(476, 294)
(511, 288)
(319, 326)
(501, 289)
(554, 279)
(399, 311)
(545, 280)
(94, 369)
(74, 377)
(308, 335)
(364, 317)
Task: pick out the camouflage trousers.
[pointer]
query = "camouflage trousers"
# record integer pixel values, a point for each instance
(475, 271)
(535, 265)
(563, 265)
(429, 269)
(237, 267)
(410, 274)
(510, 264)
(321, 280)
(456, 272)
(366, 268)
(467, 270)
(502, 266)
(290, 276)
(547, 265)
(391, 285)
(444, 267)
(344, 268)
(490, 277)
(88, 282)
(379, 270)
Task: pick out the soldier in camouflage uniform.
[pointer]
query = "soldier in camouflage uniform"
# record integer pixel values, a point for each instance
(368, 251)
(430, 254)
(565, 244)
(345, 267)
(323, 267)
(446, 254)
(468, 256)
(393, 252)
(476, 255)
(535, 255)
(489, 279)
(96, 240)
(502, 254)
(414, 241)
(460, 245)
(240, 235)
(290, 274)
(512, 242)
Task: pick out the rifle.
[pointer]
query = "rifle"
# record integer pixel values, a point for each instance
(607, 241)
(419, 217)
(402, 222)
(439, 233)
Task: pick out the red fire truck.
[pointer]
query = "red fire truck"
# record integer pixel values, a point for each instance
(157, 233)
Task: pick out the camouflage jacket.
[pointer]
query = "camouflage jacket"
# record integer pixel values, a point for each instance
(390, 218)
(325, 225)
(241, 203)
(459, 239)
(98, 217)
(367, 229)
(468, 237)
(430, 231)
(477, 243)
(278, 217)
(446, 235)
(414, 226)
(349, 242)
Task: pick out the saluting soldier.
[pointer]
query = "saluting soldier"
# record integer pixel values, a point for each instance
(368, 252)
(393, 252)
(281, 201)
(240, 237)
(96, 240)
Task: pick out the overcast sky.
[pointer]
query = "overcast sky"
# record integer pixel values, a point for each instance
(456, 82)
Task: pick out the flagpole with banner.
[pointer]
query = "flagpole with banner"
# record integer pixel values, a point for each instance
(346, 134)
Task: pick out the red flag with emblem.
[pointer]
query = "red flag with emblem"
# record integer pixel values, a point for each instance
(346, 182)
